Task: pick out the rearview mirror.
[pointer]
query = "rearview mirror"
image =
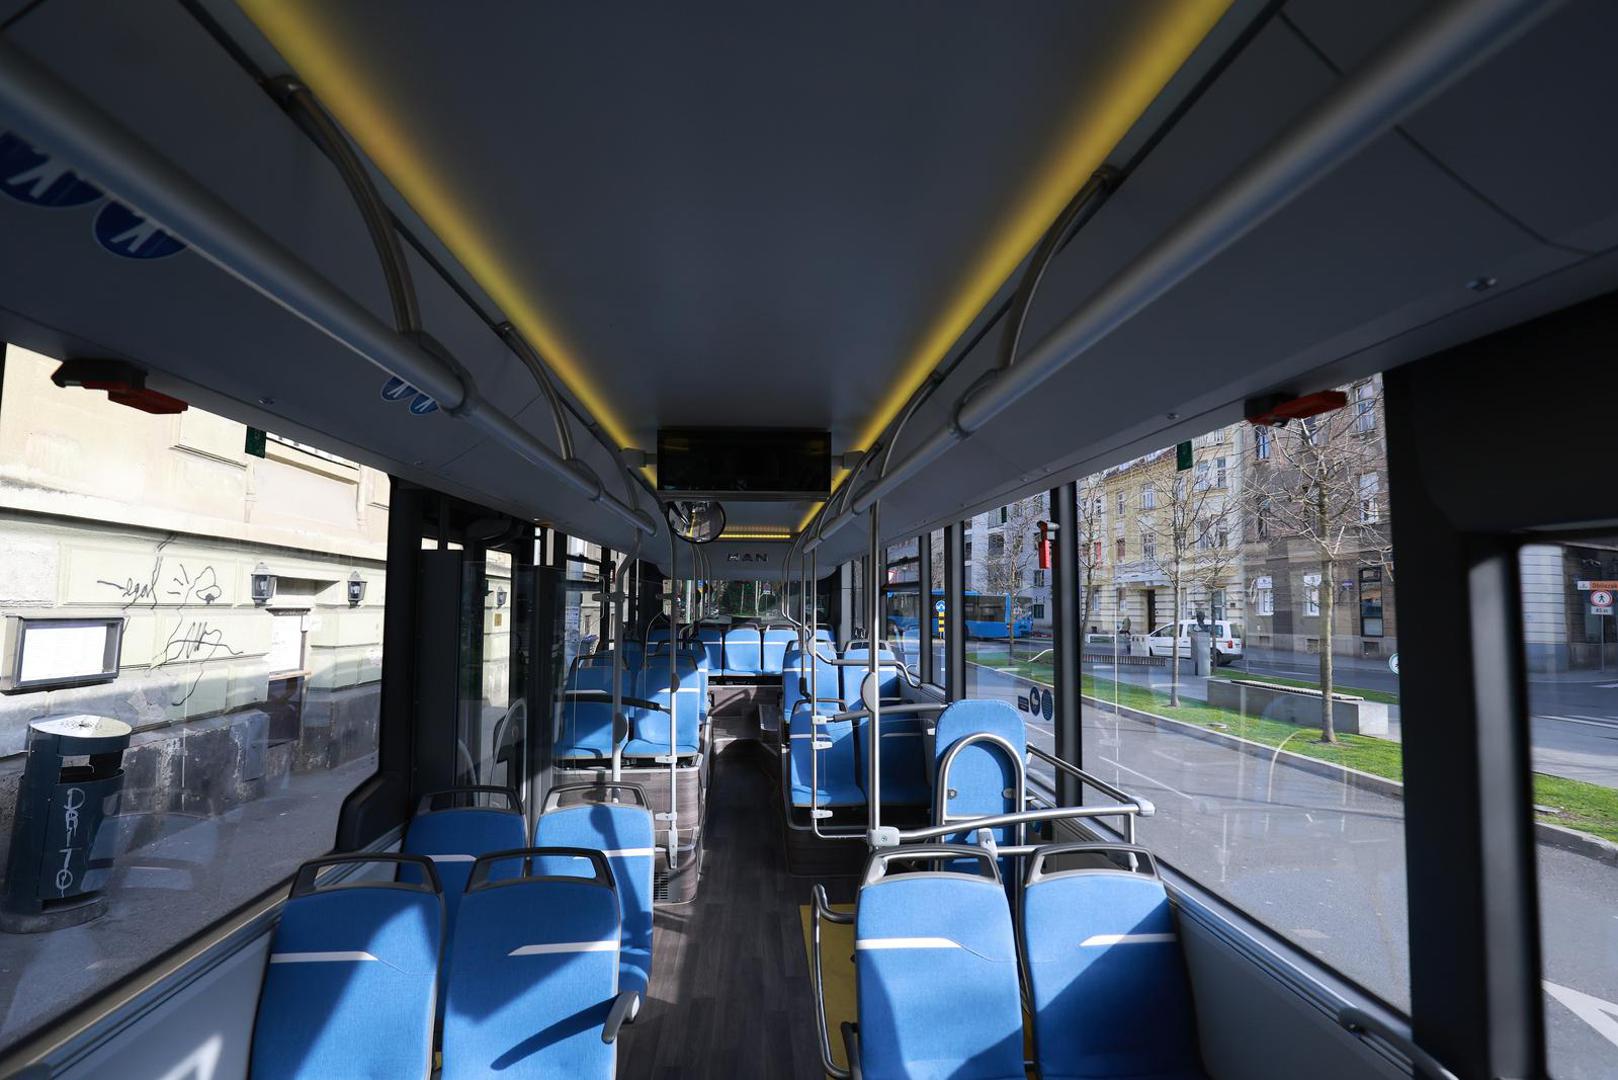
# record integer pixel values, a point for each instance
(697, 521)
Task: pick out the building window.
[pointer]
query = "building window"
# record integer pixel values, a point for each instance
(1371, 601)
(1039, 579)
(1264, 596)
(1365, 408)
(1003, 515)
(1096, 552)
(1216, 604)
(1261, 514)
(1370, 498)
(1148, 546)
(1039, 611)
(1311, 595)
(1118, 550)
(1148, 497)
(1120, 504)
(997, 543)
(1261, 443)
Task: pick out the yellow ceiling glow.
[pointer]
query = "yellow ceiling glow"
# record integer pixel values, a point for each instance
(1111, 105)
(339, 81)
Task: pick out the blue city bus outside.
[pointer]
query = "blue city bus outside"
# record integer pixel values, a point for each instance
(986, 614)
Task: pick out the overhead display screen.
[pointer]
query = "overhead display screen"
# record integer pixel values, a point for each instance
(756, 463)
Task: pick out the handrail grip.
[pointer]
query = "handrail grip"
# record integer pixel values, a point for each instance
(907, 707)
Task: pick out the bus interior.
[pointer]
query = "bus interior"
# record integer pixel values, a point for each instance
(625, 539)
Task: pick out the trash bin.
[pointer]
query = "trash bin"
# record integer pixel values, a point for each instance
(1202, 650)
(55, 870)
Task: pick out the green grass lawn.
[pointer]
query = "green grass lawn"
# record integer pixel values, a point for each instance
(1303, 684)
(1587, 807)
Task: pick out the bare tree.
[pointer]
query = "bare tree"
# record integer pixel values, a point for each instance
(1092, 498)
(1322, 483)
(1186, 534)
(1010, 559)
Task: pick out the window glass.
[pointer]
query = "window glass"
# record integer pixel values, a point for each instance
(491, 721)
(1006, 617)
(1219, 741)
(1571, 649)
(245, 594)
(902, 602)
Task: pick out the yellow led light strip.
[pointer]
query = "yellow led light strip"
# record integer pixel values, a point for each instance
(749, 534)
(1112, 106)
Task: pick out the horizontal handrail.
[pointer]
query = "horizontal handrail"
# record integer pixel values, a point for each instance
(889, 710)
(1016, 817)
(1148, 808)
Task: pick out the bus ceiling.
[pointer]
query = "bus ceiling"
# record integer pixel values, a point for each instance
(843, 244)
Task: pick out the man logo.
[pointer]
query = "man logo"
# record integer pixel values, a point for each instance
(748, 557)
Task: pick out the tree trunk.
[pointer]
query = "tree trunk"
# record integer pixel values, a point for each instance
(1328, 595)
(1174, 650)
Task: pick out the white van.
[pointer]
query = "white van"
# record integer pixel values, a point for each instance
(1227, 640)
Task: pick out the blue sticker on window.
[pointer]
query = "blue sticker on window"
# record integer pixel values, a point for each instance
(32, 176)
(124, 232)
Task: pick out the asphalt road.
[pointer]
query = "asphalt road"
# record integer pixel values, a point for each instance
(1324, 865)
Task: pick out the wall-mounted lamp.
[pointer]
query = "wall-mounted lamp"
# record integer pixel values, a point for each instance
(356, 589)
(263, 587)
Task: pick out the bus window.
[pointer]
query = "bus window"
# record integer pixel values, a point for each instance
(1241, 548)
(1007, 657)
(248, 590)
(1570, 645)
(937, 609)
(902, 601)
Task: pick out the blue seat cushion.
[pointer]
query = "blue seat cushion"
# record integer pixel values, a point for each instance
(1100, 944)
(981, 774)
(351, 985)
(936, 976)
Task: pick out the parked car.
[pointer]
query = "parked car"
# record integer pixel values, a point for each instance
(1227, 640)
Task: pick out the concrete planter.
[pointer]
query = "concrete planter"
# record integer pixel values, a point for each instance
(1293, 705)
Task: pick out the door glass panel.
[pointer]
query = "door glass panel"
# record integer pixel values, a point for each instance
(1571, 648)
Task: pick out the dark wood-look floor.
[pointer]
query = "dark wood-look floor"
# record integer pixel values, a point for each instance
(731, 994)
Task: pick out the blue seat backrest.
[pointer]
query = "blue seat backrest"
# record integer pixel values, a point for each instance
(352, 978)
(453, 840)
(587, 725)
(981, 774)
(693, 657)
(936, 975)
(649, 728)
(744, 651)
(887, 674)
(531, 981)
(795, 681)
(824, 760)
(625, 835)
(775, 642)
(1107, 977)
(712, 639)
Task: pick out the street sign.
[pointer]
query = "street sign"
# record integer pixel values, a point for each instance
(938, 606)
(1600, 610)
(1047, 704)
(256, 439)
(1596, 586)
(1601, 598)
(1393, 663)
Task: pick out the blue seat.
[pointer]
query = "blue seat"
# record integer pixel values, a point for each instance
(825, 769)
(935, 964)
(1105, 972)
(533, 981)
(796, 681)
(586, 723)
(744, 651)
(454, 839)
(712, 640)
(624, 833)
(649, 728)
(904, 759)
(351, 983)
(773, 645)
(982, 772)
